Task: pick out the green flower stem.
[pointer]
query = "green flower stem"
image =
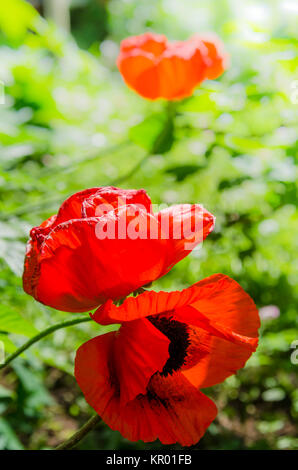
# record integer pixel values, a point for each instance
(80, 434)
(42, 335)
(171, 109)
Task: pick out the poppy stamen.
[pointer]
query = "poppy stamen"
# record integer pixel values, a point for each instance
(178, 334)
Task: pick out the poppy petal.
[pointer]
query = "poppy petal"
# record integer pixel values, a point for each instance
(185, 226)
(234, 307)
(148, 303)
(223, 301)
(174, 78)
(110, 198)
(181, 69)
(216, 58)
(171, 411)
(192, 316)
(72, 206)
(139, 72)
(144, 305)
(78, 269)
(226, 320)
(213, 359)
(156, 68)
(31, 266)
(149, 42)
(140, 350)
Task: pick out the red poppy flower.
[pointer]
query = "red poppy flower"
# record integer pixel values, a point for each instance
(144, 379)
(156, 68)
(105, 243)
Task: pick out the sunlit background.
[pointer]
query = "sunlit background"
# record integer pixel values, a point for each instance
(65, 116)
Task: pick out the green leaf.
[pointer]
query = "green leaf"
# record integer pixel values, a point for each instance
(5, 392)
(6, 347)
(8, 438)
(12, 252)
(242, 144)
(12, 322)
(230, 183)
(16, 16)
(36, 395)
(202, 102)
(155, 133)
(182, 171)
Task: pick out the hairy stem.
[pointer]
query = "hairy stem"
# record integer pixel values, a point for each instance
(42, 335)
(80, 434)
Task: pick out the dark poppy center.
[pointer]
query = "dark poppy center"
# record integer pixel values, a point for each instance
(178, 335)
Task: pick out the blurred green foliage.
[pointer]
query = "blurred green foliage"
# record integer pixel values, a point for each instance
(68, 122)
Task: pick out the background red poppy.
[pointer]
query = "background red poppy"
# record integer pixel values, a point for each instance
(157, 68)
